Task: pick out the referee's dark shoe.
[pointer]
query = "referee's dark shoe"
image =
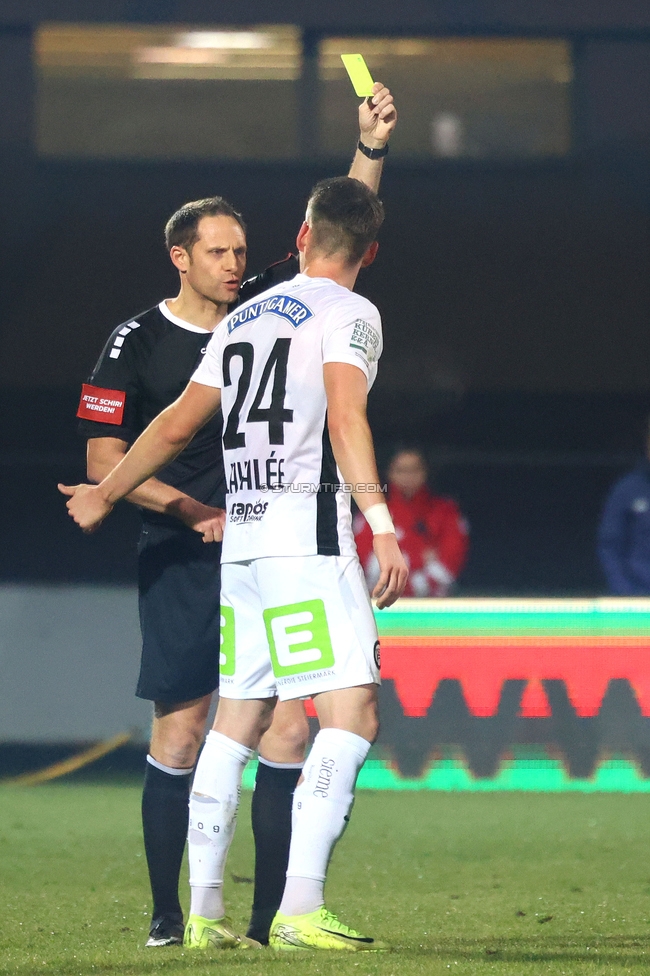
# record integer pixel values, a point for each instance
(166, 930)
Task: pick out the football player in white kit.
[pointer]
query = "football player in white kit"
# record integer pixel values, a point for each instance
(291, 369)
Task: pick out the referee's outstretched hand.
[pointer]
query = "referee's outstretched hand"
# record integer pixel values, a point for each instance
(393, 570)
(87, 505)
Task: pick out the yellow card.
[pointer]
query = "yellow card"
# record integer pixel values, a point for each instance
(360, 77)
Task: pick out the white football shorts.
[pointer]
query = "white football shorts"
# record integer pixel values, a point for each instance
(294, 626)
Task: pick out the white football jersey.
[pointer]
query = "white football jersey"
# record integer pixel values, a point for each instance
(285, 493)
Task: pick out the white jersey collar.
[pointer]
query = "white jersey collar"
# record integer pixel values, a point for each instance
(180, 322)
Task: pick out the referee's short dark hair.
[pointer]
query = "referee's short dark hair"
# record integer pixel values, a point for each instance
(344, 216)
(181, 230)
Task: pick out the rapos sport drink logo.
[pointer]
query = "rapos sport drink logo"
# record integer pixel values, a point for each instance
(242, 512)
(287, 308)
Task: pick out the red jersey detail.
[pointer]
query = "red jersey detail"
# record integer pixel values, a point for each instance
(105, 406)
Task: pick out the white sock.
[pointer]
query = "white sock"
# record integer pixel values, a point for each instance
(321, 804)
(213, 815)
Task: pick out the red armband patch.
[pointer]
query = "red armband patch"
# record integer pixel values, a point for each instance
(105, 406)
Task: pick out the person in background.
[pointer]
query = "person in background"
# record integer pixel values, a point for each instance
(431, 531)
(624, 532)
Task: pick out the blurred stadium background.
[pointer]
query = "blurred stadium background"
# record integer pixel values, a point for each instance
(513, 281)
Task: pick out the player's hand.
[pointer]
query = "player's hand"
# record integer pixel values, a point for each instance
(393, 571)
(207, 520)
(212, 528)
(87, 505)
(377, 117)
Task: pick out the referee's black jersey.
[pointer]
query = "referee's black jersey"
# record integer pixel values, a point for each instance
(145, 365)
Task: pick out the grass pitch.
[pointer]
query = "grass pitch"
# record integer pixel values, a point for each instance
(495, 884)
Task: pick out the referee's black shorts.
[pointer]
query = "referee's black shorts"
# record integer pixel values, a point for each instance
(178, 584)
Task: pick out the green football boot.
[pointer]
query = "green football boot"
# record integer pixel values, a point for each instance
(211, 933)
(319, 930)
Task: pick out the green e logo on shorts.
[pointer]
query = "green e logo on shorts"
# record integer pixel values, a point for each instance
(227, 650)
(299, 638)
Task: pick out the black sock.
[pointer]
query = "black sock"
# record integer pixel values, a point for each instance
(165, 813)
(271, 818)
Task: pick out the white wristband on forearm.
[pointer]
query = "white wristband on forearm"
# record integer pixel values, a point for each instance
(378, 518)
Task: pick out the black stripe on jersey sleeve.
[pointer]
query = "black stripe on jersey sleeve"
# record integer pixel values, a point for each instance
(327, 535)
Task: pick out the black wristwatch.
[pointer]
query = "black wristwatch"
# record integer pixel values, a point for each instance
(372, 153)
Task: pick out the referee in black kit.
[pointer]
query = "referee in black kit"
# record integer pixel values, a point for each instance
(144, 367)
